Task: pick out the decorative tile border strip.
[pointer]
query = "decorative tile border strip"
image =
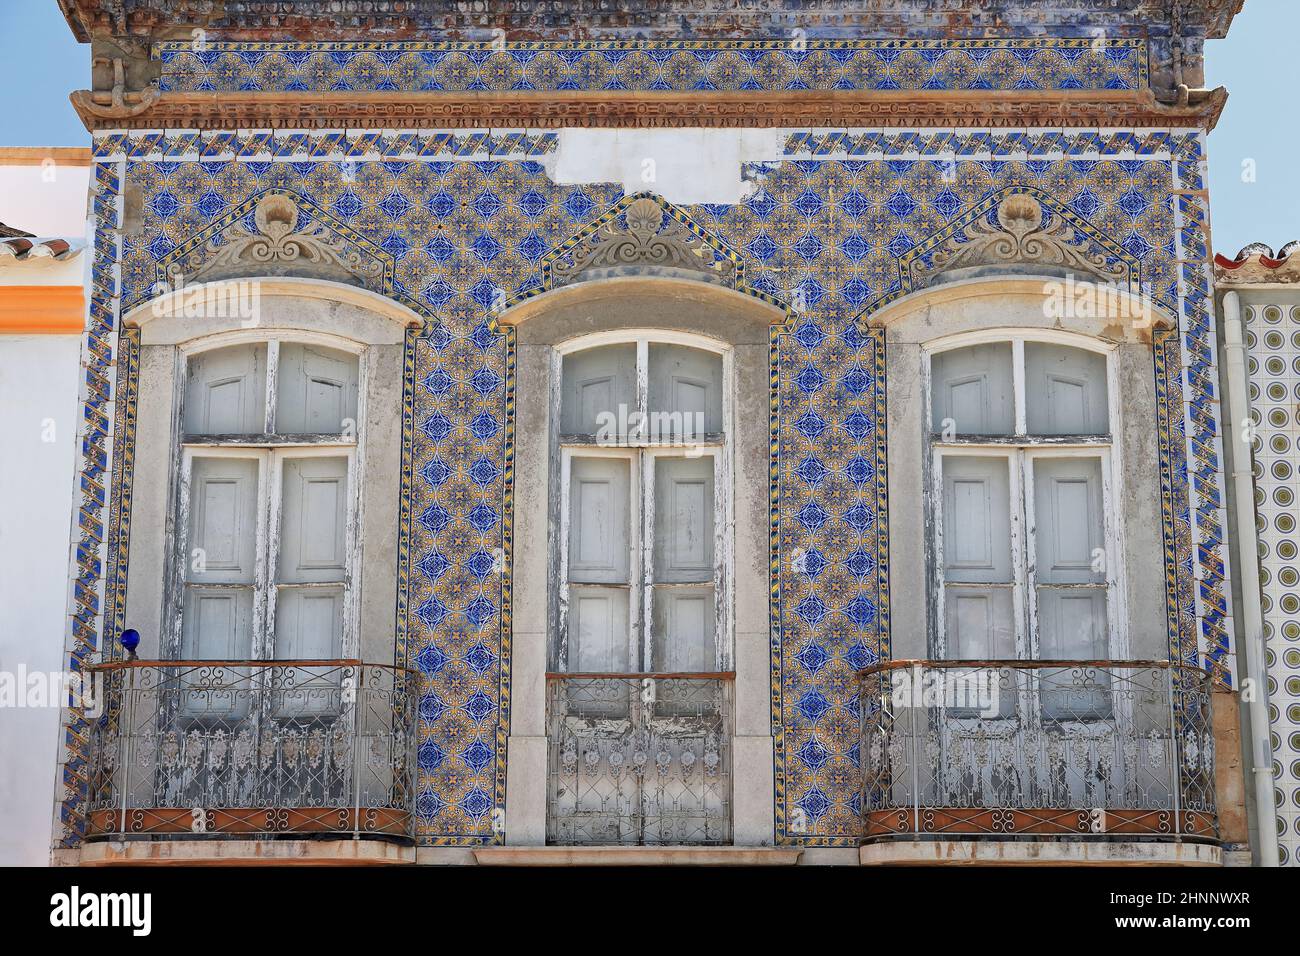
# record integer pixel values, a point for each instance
(94, 431)
(299, 146)
(1049, 143)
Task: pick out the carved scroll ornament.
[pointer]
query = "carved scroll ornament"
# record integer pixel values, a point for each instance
(640, 239)
(278, 245)
(1019, 238)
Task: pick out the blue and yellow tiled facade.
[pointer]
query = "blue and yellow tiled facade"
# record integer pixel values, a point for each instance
(464, 221)
(770, 66)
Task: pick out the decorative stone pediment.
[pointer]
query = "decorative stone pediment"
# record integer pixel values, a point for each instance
(1020, 232)
(281, 241)
(638, 233)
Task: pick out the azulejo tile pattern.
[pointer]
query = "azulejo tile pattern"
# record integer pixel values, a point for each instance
(220, 145)
(826, 234)
(772, 65)
(466, 222)
(830, 567)
(1273, 340)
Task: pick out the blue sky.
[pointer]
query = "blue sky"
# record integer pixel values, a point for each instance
(1259, 64)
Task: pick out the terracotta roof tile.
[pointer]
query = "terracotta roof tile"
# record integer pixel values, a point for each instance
(1258, 262)
(24, 248)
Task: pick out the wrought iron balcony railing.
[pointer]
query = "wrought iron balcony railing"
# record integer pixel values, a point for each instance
(1081, 748)
(639, 759)
(253, 747)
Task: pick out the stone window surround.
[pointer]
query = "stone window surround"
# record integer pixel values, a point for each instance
(327, 313)
(1004, 306)
(602, 309)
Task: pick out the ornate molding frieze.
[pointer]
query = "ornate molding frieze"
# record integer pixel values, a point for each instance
(1024, 234)
(642, 236)
(441, 110)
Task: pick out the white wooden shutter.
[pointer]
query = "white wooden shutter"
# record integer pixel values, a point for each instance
(1069, 566)
(973, 388)
(598, 383)
(977, 566)
(220, 566)
(598, 629)
(311, 567)
(682, 585)
(220, 577)
(1065, 390)
(685, 392)
(311, 579)
(226, 391)
(599, 515)
(316, 390)
(599, 557)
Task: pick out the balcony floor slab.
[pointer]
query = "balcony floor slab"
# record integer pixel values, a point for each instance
(347, 852)
(636, 856)
(1037, 853)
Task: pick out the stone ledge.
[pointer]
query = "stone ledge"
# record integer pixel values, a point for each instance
(247, 853)
(636, 856)
(740, 109)
(1037, 853)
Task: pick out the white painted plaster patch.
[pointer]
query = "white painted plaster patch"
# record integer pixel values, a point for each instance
(682, 165)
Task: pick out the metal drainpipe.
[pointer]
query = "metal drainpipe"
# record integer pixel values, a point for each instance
(1243, 489)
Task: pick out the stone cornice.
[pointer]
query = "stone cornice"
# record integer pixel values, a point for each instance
(440, 110)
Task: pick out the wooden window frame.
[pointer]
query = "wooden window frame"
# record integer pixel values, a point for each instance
(270, 450)
(1021, 451)
(642, 453)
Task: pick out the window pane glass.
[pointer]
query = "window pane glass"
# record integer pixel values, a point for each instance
(976, 519)
(683, 537)
(683, 630)
(685, 392)
(600, 546)
(226, 391)
(598, 630)
(599, 392)
(1065, 390)
(316, 390)
(972, 392)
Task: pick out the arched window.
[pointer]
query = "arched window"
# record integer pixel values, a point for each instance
(642, 510)
(1024, 528)
(268, 501)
